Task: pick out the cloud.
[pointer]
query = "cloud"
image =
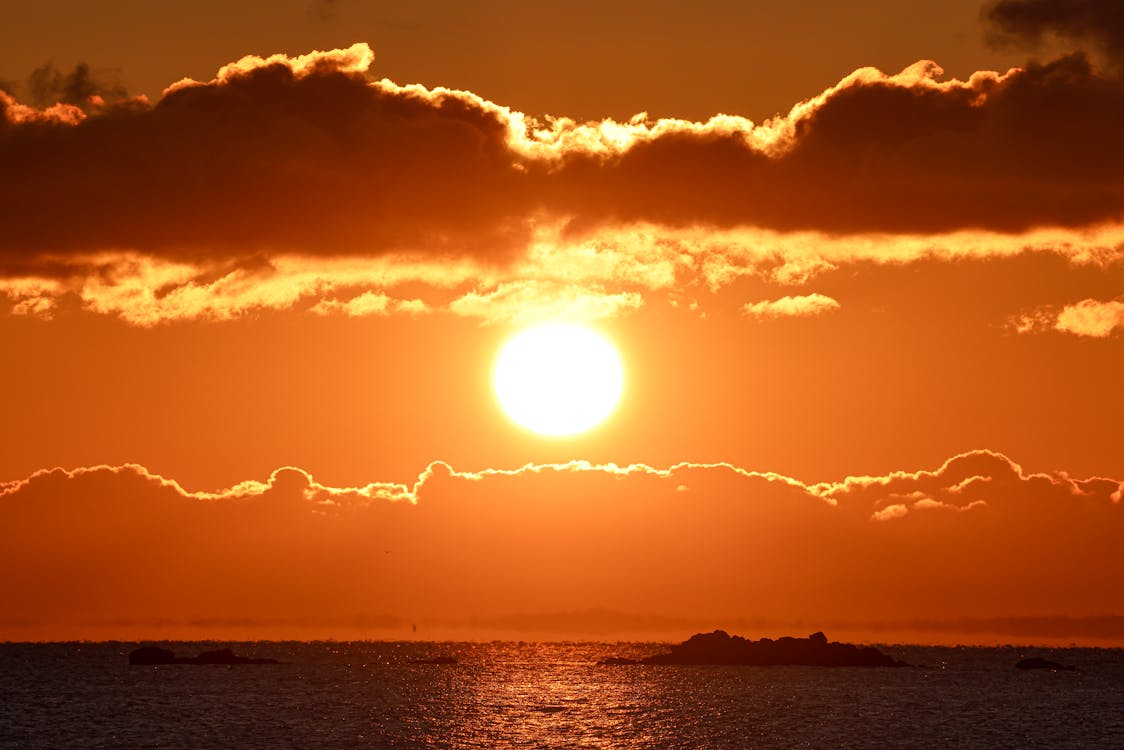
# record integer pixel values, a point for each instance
(981, 483)
(1099, 23)
(545, 538)
(878, 153)
(1092, 317)
(366, 304)
(32, 297)
(300, 154)
(527, 302)
(279, 182)
(890, 512)
(307, 155)
(47, 85)
(622, 267)
(803, 306)
(1089, 317)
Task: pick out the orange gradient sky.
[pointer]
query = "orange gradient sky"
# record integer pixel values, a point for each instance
(864, 268)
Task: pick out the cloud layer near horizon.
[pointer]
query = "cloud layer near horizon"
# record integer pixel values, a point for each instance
(289, 180)
(976, 537)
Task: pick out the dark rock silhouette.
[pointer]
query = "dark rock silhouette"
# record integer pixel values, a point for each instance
(152, 655)
(435, 660)
(720, 647)
(1036, 662)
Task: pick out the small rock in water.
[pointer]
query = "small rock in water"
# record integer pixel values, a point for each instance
(720, 647)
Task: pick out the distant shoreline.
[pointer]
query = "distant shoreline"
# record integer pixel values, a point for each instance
(478, 642)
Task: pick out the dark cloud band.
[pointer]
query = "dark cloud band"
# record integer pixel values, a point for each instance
(313, 158)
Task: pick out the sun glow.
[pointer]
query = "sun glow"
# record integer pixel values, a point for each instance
(558, 379)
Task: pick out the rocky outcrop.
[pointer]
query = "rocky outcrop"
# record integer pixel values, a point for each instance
(720, 647)
(154, 655)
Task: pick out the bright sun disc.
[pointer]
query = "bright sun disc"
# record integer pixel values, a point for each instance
(558, 379)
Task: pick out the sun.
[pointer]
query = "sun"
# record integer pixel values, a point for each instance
(558, 378)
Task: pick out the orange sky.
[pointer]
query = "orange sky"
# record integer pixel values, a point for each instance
(870, 310)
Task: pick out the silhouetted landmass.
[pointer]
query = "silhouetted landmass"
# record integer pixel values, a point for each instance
(1036, 662)
(720, 647)
(435, 660)
(152, 655)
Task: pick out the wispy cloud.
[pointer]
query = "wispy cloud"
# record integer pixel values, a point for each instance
(1089, 317)
(525, 302)
(368, 304)
(803, 306)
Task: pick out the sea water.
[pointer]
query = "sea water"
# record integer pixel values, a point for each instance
(535, 695)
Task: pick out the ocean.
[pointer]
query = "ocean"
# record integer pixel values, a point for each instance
(549, 695)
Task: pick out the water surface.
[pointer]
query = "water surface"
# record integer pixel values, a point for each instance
(368, 694)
